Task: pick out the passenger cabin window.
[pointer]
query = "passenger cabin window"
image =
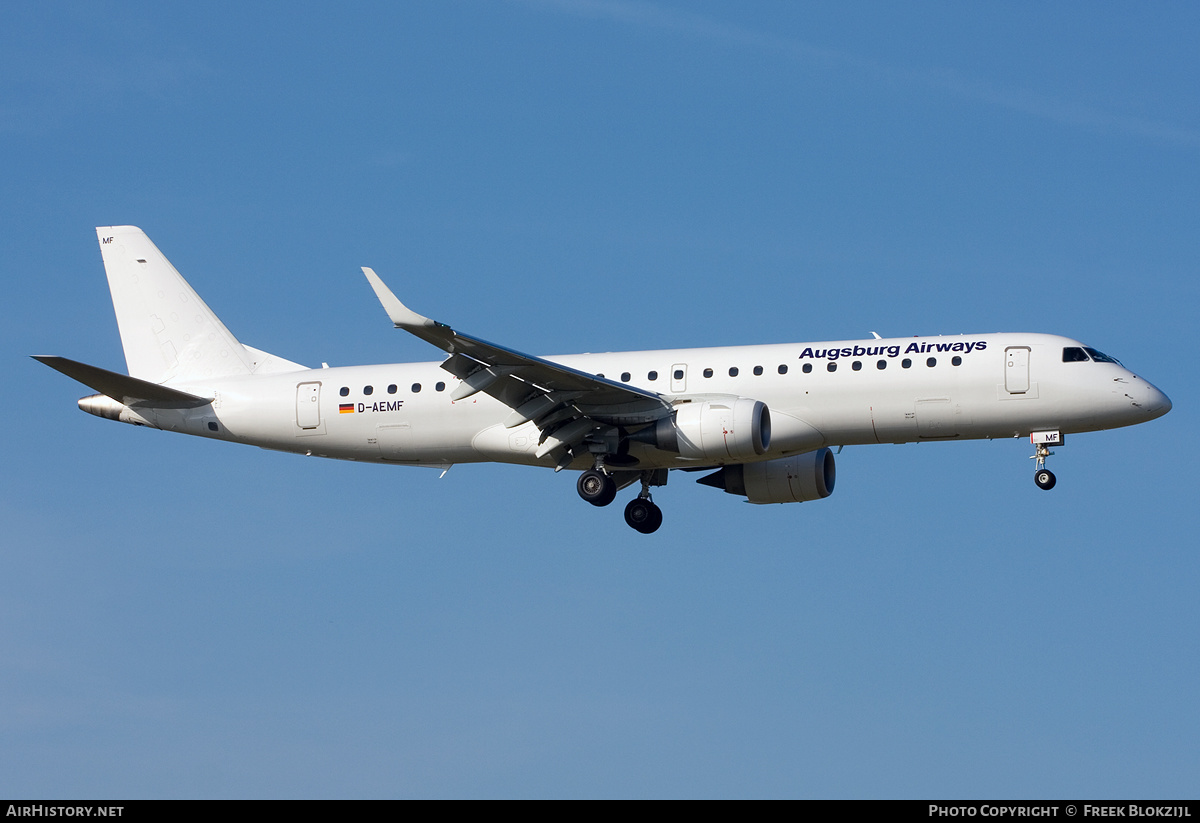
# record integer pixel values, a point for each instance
(392, 389)
(807, 369)
(733, 371)
(440, 387)
(708, 372)
(1074, 354)
(783, 368)
(344, 391)
(857, 365)
(906, 363)
(956, 360)
(832, 366)
(931, 362)
(881, 365)
(625, 377)
(416, 387)
(652, 375)
(678, 374)
(368, 390)
(757, 371)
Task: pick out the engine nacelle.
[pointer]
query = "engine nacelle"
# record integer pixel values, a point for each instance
(735, 429)
(783, 480)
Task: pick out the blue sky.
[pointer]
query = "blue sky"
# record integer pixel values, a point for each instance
(183, 618)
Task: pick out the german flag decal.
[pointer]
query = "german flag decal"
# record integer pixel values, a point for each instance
(346, 408)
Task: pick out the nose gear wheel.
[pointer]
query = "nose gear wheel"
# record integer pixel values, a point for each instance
(1045, 479)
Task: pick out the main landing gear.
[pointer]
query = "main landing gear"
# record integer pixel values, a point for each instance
(642, 515)
(596, 487)
(1044, 478)
(599, 488)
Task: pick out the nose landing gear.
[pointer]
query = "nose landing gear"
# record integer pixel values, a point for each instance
(1042, 476)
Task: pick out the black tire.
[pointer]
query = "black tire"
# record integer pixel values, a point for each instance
(1045, 479)
(643, 515)
(596, 487)
(655, 522)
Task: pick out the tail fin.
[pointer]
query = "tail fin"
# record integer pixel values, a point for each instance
(167, 331)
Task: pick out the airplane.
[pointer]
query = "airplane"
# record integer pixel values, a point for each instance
(762, 420)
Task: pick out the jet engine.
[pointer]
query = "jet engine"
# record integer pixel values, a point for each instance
(717, 429)
(783, 480)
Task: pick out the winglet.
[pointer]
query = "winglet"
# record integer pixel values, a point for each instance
(402, 316)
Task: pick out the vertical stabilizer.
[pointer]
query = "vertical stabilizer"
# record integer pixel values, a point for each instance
(167, 331)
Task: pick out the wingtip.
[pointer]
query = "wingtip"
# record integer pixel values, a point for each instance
(401, 315)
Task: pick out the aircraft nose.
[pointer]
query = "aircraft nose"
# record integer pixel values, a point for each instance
(1155, 403)
(1161, 403)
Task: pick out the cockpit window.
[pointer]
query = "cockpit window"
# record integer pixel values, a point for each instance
(1101, 357)
(1074, 354)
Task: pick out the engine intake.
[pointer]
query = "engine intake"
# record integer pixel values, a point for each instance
(738, 429)
(783, 480)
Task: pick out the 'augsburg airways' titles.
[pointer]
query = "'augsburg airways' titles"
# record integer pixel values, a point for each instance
(892, 351)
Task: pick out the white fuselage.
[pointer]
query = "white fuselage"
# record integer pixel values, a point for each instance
(853, 392)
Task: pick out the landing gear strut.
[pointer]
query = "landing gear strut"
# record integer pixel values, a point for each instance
(1044, 478)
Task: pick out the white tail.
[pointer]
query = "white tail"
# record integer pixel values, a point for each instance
(168, 333)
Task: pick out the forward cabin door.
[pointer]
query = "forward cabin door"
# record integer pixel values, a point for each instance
(1016, 369)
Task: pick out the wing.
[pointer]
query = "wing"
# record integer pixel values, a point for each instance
(577, 412)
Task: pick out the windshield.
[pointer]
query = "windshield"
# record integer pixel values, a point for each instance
(1101, 357)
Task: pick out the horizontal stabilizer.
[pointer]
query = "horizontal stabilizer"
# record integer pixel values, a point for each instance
(122, 387)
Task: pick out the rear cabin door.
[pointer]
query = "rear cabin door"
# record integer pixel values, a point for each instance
(308, 405)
